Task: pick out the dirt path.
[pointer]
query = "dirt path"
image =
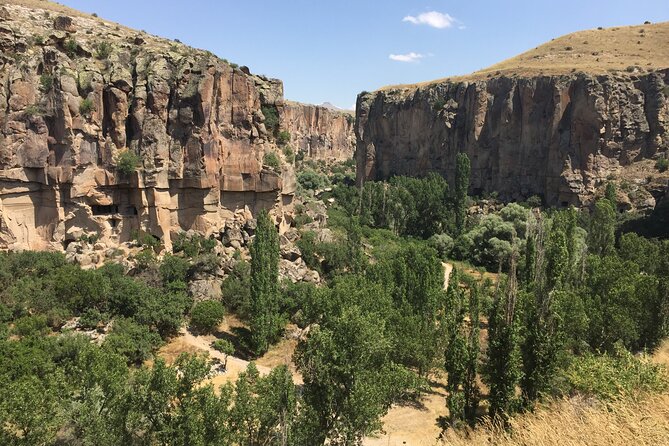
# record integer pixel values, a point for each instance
(448, 268)
(187, 342)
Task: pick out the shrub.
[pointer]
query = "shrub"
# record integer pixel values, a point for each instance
(289, 154)
(91, 318)
(39, 40)
(236, 289)
(174, 269)
(206, 316)
(443, 244)
(29, 326)
(271, 117)
(309, 179)
(133, 341)
(103, 50)
(193, 246)
(224, 346)
(127, 162)
(662, 164)
(86, 106)
(33, 110)
(612, 376)
(283, 138)
(271, 160)
(46, 82)
(302, 219)
(71, 46)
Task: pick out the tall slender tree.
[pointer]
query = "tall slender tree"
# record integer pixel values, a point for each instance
(503, 366)
(265, 317)
(470, 386)
(462, 172)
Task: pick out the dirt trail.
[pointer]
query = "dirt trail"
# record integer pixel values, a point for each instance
(187, 342)
(448, 268)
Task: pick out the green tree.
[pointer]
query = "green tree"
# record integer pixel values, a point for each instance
(205, 316)
(265, 318)
(470, 384)
(462, 172)
(456, 353)
(602, 228)
(350, 380)
(503, 363)
(264, 407)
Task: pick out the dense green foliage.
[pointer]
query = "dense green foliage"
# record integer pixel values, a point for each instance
(462, 172)
(127, 162)
(572, 305)
(266, 321)
(205, 316)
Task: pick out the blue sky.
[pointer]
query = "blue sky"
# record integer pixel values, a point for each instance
(332, 50)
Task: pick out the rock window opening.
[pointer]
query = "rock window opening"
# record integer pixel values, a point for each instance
(105, 209)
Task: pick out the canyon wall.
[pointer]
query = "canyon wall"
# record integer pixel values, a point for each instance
(79, 96)
(319, 132)
(560, 137)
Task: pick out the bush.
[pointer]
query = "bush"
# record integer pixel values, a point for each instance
(283, 138)
(91, 318)
(443, 244)
(236, 289)
(103, 50)
(289, 154)
(133, 341)
(127, 162)
(194, 245)
(662, 164)
(46, 82)
(272, 161)
(206, 316)
(71, 46)
(174, 269)
(224, 346)
(271, 118)
(29, 326)
(612, 376)
(309, 179)
(86, 106)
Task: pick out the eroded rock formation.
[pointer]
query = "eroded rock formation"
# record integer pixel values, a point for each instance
(561, 137)
(79, 94)
(320, 132)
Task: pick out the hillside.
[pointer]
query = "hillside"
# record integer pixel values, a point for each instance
(638, 48)
(557, 122)
(113, 131)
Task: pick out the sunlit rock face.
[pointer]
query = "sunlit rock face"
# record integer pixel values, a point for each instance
(560, 137)
(79, 94)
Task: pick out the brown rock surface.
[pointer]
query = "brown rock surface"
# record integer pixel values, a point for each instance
(75, 101)
(319, 132)
(561, 136)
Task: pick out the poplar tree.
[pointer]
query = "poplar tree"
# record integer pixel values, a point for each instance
(265, 318)
(470, 386)
(503, 367)
(462, 172)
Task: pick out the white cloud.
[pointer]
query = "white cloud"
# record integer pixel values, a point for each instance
(433, 18)
(409, 57)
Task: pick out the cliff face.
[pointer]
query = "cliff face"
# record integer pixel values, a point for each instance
(79, 94)
(561, 136)
(319, 132)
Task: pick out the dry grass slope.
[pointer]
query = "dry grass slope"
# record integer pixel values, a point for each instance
(581, 422)
(596, 51)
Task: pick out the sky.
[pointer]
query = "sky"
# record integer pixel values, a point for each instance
(329, 51)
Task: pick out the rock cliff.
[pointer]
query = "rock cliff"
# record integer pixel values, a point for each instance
(561, 136)
(320, 132)
(81, 96)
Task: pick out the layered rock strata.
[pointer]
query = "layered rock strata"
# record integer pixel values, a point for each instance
(80, 98)
(319, 132)
(561, 137)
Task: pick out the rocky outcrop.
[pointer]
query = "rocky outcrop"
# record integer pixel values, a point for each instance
(319, 132)
(560, 137)
(108, 131)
